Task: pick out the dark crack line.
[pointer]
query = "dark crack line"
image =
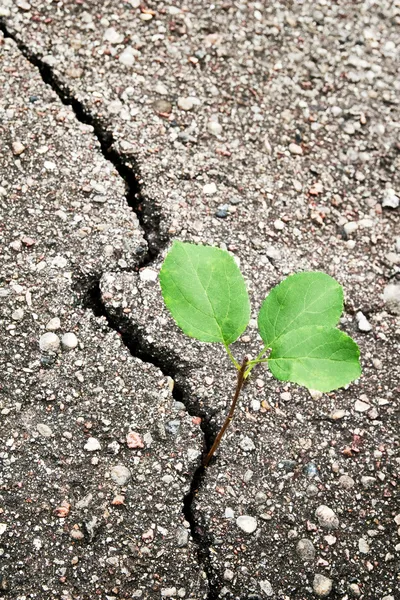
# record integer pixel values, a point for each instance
(146, 210)
(91, 299)
(89, 291)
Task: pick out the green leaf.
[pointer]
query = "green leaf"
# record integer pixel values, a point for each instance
(320, 358)
(205, 292)
(301, 300)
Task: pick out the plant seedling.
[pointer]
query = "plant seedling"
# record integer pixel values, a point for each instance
(206, 294)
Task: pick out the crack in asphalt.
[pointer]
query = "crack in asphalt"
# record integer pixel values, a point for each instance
(90, 293)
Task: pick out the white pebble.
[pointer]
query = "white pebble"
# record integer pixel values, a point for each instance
(17, 148)
(363, 546)
(279, 225)
(326, 517)
(246, 523)
(390, 199)
(295, 149)
(360, 406)
(214, 128)
(69, 341)
(247, 444)
(92, 445)
(120, 474)
(17, 315)
(209, 189)
(148, 275)
(44, 430)
(322, 585)
(49, 342)
(53, 324)
(362, 322)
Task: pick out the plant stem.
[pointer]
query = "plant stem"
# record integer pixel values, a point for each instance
(229, 418)
(233, 359)
(255, 362)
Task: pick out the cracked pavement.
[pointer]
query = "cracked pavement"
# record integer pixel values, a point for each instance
(269, 130)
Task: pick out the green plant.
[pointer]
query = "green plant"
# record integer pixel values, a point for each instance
(206, 294)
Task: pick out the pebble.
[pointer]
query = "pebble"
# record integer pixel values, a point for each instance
(246, 523)
(44, 430)
(279, 225)
(168, 592)
(148, 275)
(305, 549)
(346, 482)
(134, 440)
(247, 444)
(53, 324)
(322, 585)
(315, 394)
(111, 35)
(209, 189)
(222, 211)
(350, 227)
(182, 537)
(92, 445)
(127, 57)
(120, 474)
(228, 575)
(187, 103)
(266, 587)
(367, 481)
(76, 534)
(162, 107)
(17, 148)
(69, 341)
(273, 253)
(49, 342)
(295, 149)
(390, 199)
(214, 127)
(326, 517)
(17, 315)
(338, 414)
(360, 406)
(362, 322)
(363, 546)
(391, 298)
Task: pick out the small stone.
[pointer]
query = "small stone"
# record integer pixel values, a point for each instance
(134, 440)
(92, 445)
(53, 324)
(186, 103)
(266, 587)
(23, 5)
(273, 253)
(49, 342)
(17, 148)
(360, 406)
(330, 539)
(363, 546)
(228, 575)
(127, 57)
(69, 341)
(350, 227)
(326, 517)
(76, 534)
(120, 474)
(148, 274)
(362, 322)
(346, 482)
(279, 225)
(391, 298)
(17, 315)
(62, 511)
(112, 36)
(44, 430)
(168, 592)
(367, 481)
(247, 444)
(222, 212)
(336, 415)
(246, 523)
(214, 127)
(354, 590)
(390, 199)
(295, 149)
(182, 537)
(162, 107)
(315, 394)
(322, 585)
(209, 189)
(286, 396)
(305, 549)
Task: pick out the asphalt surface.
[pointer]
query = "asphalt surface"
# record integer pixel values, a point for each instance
(269, 130)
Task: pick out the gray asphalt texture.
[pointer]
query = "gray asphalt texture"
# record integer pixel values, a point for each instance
(271, 130)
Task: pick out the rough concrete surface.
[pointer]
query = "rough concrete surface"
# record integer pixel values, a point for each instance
(269, 129)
